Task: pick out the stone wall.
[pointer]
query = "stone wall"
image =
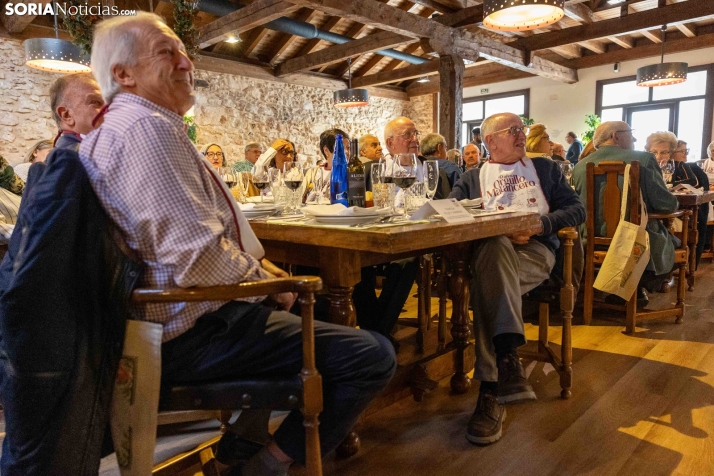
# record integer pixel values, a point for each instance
(25, 114)
(233, 111)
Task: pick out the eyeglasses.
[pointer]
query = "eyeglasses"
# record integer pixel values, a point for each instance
(661, 153)
(683, 151)
(514, 130)
(409, 135)
(286, 151)
(211, 155)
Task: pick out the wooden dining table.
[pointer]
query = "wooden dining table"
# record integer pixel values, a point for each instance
(692, 202)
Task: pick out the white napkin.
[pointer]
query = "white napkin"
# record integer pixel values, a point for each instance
(256, 199)
(472, 203)
(338, 209)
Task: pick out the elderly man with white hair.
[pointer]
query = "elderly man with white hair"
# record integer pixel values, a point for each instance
(180, 219)
(506, 267)
(433, 146)
(614, 141)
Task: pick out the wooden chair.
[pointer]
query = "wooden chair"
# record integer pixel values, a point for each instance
(303, 391)
(596, 248)
(551, 293)
(709, 254)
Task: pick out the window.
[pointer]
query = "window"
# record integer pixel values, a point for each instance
(685, 109)
(475, 110)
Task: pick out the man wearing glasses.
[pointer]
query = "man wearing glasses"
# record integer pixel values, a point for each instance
(614, 141)
(252, 153)
(506, 267)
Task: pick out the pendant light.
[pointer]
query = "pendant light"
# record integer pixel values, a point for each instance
(350, 97)
(521, 15)
(55, 55)
(662, 74)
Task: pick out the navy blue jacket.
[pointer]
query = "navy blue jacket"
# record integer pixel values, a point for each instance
(574, 151)
(64, 291)
(566, 209)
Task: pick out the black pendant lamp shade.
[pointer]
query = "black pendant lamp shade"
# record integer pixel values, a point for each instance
(662, 74)
(350, 97)
(521, 15)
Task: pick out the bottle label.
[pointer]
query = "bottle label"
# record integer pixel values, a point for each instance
(356, 192)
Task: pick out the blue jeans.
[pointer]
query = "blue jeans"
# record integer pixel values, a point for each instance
(240, 341)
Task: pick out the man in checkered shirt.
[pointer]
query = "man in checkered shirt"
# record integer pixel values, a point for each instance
(180, 219)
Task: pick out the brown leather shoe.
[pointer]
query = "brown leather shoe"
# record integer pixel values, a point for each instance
(513, 385)
(486, 424)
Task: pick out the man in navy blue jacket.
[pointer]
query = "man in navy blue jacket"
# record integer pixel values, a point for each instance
(506, 267)
(575, 149)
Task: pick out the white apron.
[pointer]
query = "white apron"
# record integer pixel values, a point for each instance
(513, 187)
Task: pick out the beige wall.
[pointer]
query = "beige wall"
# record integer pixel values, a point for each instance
(232, 111)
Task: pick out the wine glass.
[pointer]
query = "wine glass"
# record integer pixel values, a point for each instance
(403, 173)
(244, 181)
(431, 177)
(292, 178)
(228, 175)
(260, 179)
(667, 170)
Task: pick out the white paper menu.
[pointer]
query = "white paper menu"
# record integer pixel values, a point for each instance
(450, 210)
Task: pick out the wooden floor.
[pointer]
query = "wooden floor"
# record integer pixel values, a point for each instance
(642, 404)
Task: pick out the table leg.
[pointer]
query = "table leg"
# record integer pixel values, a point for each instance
(342, 310)
(460, 332)
(693, 239)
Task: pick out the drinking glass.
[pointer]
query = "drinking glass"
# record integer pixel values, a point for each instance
(228, 175)
(415, 196)
(567, 171)
(403, 172)
(244, 181)
(382, 192)
(260, 179)
(667, 170)
(431, 177)
(292, 179)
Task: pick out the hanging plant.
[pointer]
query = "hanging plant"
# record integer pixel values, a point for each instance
(80, 27)
(185, 12)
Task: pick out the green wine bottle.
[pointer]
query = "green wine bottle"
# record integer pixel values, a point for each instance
(355, 177)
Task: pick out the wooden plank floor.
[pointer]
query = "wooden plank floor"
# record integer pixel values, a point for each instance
(642, 404)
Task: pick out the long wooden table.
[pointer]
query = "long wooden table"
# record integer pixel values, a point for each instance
(693, 202)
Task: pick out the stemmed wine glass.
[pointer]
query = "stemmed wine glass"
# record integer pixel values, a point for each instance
(292, 178)
(260, 179)
(567, 171)
(431, 177)
(228, 175)
(403, 173)
(667, 170)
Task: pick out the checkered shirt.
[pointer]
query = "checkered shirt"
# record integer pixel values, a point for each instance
(243, 166)
(170, 205)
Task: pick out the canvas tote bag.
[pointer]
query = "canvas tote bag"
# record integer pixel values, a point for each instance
(628, 254)
(135, 402)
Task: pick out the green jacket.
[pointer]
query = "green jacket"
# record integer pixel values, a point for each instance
(654, 192)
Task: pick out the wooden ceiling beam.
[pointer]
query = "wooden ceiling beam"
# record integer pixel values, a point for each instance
(653, 36)
(689, 30)
(672, 14)
(436, 6)
(477, 76)
(464, 17)
(368, 66)
(395, 62)
(386, 77)
(312, 43)
(304, 15)
(580, 13)
(337, 53)
(17, 23)
(594, 46)
(673, 46)
(254, 37)
(568, 51)
(443, 39)
(624, 41)
(256, 14)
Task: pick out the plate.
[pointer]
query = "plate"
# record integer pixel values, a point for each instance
(259, 212)
(346, 220)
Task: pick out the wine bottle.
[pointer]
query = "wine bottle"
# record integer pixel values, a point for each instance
(338, 179)
(355, 177)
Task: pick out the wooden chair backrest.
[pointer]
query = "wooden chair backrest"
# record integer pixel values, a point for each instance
(611, 196)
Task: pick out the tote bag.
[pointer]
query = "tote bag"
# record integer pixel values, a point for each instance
(135, 402)
(628, 254)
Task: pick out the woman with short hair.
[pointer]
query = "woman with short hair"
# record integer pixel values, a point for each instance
(214, 154)
(37, 153)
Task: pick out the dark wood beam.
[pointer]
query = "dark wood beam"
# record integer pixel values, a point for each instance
(355, 30)
(689, 30)
(386, 77)
(443, 39)
(17, 23)
(368, 66)
(337, 53)
(580, 13)
(436, 6)
(329, 24)
(476, 76)
(409, 49)
(253, 38)
(673, 46)
(676, 13)
(653, 36)
(451, 91)
(624, 41)
(256, 14)
(464, 17)
(304, 15)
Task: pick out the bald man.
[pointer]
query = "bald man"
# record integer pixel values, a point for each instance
(75, 100)
(506, 267)
(614, 141)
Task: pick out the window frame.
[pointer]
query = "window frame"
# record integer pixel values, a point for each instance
(708, 97)
(526, 93)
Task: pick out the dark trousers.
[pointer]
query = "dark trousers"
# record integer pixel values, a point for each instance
(380, 314)
(240, 341)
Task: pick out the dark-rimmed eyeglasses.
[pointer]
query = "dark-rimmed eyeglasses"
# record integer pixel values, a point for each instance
(409, 135)
(286, 151)
(211, 155)
(684, 151)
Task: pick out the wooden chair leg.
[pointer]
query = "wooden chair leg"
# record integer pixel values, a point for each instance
(543, 322)
(224, 416)
(424, 294)
(312, 388)
(631, 317)
(567, 304)
(442, 287)
(681, 292)
(588, 293)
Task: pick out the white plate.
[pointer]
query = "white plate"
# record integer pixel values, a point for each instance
(259, 213)
(346, 220)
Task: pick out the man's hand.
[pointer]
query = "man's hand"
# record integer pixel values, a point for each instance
(283, 301)
(522, 237)
(274, 270)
